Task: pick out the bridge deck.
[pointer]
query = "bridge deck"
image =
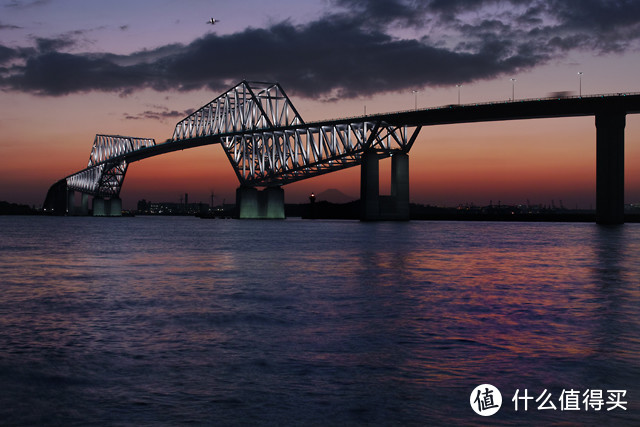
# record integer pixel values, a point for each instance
(539, 108)
(628, 103)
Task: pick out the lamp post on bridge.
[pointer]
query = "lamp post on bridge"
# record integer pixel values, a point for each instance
(580, 83)
(415, 94)
(458, 86)
(513, 89)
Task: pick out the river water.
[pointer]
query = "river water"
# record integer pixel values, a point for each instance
(177, 320)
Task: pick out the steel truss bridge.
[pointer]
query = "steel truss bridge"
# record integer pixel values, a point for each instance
(269, 144)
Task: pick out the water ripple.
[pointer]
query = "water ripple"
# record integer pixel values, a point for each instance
(172, 321)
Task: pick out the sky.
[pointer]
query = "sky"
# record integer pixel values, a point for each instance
(71, 69)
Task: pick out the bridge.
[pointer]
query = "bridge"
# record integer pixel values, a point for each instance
(269, 145)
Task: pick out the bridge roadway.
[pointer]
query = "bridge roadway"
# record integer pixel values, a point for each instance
(543, 108)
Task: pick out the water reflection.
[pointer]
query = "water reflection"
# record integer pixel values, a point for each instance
(149, 320)
(617, 294)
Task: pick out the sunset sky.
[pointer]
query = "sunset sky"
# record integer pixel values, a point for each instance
(70, 69)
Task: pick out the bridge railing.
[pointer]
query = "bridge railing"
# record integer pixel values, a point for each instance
(475, 104)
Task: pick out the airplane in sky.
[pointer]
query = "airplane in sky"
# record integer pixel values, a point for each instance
(213, 21)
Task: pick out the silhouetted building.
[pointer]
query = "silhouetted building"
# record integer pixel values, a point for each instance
(171, 208)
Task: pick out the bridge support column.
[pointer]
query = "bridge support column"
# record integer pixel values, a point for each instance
(610, 167)
(84, 204)
(272, 203)
(400, 185)
(265, 204)
(114, 207)
(71, 200)
(99, 206)
(373, 206)
(370, 187)
(247, 202)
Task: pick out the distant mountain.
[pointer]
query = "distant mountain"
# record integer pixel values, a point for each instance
(333, 195)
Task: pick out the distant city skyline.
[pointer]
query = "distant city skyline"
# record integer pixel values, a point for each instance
(69, 71)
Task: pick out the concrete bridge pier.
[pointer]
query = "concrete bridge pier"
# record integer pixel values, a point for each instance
(104, 207)
(400, 185)
(71, 200)
(72, 209)
(610, 167)
(254, 204)
(99, 206)
(370, 186)
(247, 202)
(114, 206)
(273, 202)
(374, 207)
(84, 204)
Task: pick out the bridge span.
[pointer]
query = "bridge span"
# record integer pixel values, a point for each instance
(269, 145)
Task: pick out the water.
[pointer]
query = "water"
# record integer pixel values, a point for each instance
(175, 321)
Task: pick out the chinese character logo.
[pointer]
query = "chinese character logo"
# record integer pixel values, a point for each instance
(486, 400)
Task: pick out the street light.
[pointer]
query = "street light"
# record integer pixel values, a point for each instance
(580, 82)
(415, 94)
(458, 86)
(513, 89)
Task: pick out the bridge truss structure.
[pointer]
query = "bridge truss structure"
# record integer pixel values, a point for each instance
(268, 143)
(107, 165)
(264, 137)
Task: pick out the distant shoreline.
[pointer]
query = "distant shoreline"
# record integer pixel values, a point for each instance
(7, 208)
(351, 210)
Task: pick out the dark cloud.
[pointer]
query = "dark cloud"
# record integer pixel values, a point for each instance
(321, 58)
(18, 4)
(595, 15)
(7, 54)
(160, 113)
(385, 12)
(349, 53)
(602, 25)
(55, 73)
(54, 44)
(8, 27)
